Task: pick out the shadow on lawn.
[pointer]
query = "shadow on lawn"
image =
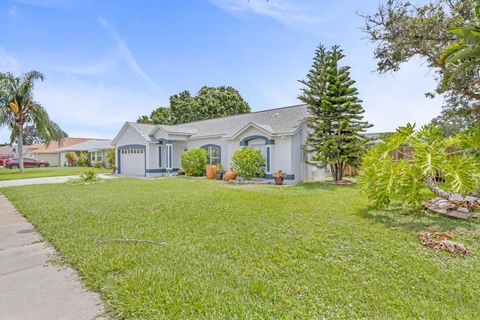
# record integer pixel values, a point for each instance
(415, 219)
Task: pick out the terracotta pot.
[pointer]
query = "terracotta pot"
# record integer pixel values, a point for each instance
(210, 171)
(279, 181)
(230, 175)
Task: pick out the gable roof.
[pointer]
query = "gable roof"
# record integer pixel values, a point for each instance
(90, 145)
(279, 121)
(54, 146)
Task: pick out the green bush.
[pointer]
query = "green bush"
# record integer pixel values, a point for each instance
(248, 163)
(89, 175)
(111, 158)
(83, 159)
(194, 162)
(99, 165)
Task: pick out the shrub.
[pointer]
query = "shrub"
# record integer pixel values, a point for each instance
(83, 159)
(111, 158)
(99, 165)
(71, 158)
(194, 162)
(89, 175)
(248, 163)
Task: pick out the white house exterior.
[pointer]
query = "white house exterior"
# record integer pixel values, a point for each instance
(154, 150)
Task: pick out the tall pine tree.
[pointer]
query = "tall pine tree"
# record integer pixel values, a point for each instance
(336, 115)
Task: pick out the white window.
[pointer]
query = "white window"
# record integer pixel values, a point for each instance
(96, 156)
(214, 153)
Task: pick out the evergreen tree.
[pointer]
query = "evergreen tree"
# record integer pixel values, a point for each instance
(336, 115)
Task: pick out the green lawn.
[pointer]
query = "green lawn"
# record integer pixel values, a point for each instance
(309, 251)
(13, 174)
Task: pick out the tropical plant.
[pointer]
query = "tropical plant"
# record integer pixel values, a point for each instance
(248, 163)
(71, 158)
(336, 114)
(111, 158)
(383, 178)
(83, 160)
(89, 175)
(280, 174)
(194, 162)
(219, 168)
(209, 103)
(18, 108)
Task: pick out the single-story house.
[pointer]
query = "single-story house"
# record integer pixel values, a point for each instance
(8, 150)
(51, 152)
(279, 134)
(96, 149)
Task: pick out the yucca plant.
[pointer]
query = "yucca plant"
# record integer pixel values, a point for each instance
(383, 178)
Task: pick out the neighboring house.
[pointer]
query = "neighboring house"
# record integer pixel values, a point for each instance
(96, 149)
(51, 152)
(279, 134)
(8, 150)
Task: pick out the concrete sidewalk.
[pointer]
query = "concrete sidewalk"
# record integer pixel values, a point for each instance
(46, 180)
(30, 286)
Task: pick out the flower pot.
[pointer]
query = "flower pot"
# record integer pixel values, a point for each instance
(279, 181)
(181, 173)
(219, 175)
(210, 171)
(230, 175)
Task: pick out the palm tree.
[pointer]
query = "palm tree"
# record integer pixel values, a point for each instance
(18, 108)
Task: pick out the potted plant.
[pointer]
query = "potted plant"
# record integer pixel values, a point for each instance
(230, 175)
(210, 171)
(219, 171)
(279, 177)
(181, 172)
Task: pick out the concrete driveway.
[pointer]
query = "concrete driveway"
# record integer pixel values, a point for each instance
(30, 286)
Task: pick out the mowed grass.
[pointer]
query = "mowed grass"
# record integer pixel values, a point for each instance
(13, 174)
(253, 252)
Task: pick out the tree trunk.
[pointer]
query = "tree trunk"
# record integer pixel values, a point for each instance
(337, 171)
(20, 146)
(432, 185)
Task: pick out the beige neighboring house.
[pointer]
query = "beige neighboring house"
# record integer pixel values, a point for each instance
(51, 152)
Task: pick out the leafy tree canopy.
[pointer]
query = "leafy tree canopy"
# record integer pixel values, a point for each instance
(209, 103)
(402, 30)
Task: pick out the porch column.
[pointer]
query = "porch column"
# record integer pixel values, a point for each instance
(269, 155)
(169, 155)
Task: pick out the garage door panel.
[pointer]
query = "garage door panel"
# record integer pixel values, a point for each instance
(132, 161)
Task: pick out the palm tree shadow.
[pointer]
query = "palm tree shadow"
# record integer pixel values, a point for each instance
(399, 217)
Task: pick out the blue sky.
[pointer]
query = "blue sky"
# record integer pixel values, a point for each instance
(107, 62)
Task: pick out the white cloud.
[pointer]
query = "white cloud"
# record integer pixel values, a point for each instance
(288, 12)
(91, 69)
(8, 62)
(127, 54)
